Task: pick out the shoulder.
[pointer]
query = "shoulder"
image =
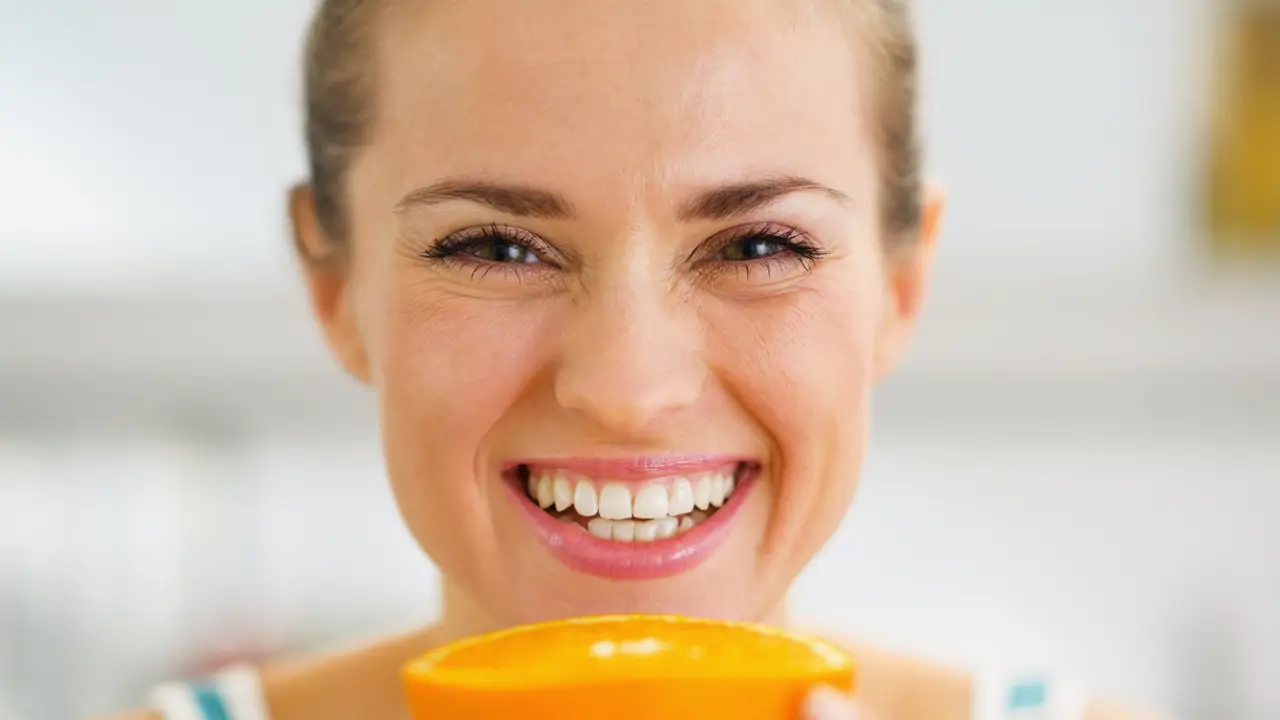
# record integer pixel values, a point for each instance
(905, 688)
(359, 682)
(364, 681)
(1111, 710)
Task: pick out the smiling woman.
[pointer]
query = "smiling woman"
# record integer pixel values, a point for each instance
(622, 276)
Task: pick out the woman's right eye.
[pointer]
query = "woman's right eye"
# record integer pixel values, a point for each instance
(499, 250)
(487, 246)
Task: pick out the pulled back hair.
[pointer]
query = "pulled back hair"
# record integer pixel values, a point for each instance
(340, 87)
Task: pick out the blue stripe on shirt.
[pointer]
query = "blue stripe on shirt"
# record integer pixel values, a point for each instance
(209, 700)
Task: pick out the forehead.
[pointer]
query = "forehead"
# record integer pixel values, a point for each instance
(604, 95)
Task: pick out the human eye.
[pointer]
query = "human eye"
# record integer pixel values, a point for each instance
(761, 252)
(486, 248)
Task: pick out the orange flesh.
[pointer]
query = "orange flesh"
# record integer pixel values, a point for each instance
(625, 667)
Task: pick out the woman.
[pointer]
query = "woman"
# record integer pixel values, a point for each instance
(622, 275)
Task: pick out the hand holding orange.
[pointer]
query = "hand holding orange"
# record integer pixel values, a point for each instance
(625, 667)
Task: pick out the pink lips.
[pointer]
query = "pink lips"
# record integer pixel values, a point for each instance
(638, 560)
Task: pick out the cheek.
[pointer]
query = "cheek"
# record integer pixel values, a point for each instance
(802, 366)
(446, 369)
(454, 364)
(802, 363)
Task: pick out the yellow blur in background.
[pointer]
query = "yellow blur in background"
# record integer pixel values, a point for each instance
(1245, 185)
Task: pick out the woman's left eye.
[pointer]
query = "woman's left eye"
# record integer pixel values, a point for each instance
(763, 252)
(753, 247)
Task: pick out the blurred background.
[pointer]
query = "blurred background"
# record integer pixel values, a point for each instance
(1077, 471)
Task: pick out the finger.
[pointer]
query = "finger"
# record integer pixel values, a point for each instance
(826, 703)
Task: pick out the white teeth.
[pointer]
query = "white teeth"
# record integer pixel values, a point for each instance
(639, 531)
(647, 531)
(663, 527)
(717, 491)
(601, 528)
(651, 502)
(584, 499)
(681, 498)
(615, 502)
(702, 493)
(545, 495)
(562, 491)
(624, 531)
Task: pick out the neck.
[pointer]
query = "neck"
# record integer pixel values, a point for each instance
(464, 617)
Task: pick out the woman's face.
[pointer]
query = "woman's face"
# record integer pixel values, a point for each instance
(610, 262)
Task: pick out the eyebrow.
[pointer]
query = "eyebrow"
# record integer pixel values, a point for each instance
(730, 201)
(510, 199)
(719, 203)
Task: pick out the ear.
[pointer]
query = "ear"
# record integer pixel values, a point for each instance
(908, 278)
(327, 272)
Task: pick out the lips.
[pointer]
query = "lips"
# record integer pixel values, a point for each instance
(639, 518)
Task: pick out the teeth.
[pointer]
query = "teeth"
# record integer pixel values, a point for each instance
(663, 528)
(615, 502)
(639, 531)
(717, 491)
(562, 492)
(554, 491)
(681, 498)
(584, 499)
(702, 493)
(646, 531)
(624, 531)
(545, 495)
(601, 528)
(651, 502)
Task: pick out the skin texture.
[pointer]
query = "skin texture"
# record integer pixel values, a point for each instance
(632, 335)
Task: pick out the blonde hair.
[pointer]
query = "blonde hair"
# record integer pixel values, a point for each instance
(339, 91)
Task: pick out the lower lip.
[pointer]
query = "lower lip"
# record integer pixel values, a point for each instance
(587, 553)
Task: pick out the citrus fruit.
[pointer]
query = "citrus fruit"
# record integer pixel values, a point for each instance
(623, 667)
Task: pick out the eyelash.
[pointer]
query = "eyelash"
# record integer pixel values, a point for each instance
(451, 250)
(796, 247)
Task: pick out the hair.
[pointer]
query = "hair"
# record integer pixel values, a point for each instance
(340, 100)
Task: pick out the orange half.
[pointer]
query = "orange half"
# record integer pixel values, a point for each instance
(623, 667)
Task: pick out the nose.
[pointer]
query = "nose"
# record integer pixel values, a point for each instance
(630, 359)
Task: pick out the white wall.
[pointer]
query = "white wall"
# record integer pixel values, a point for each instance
(1068, 131)
(148, 142)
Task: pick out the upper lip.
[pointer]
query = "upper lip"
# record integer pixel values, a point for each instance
(635, 467)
